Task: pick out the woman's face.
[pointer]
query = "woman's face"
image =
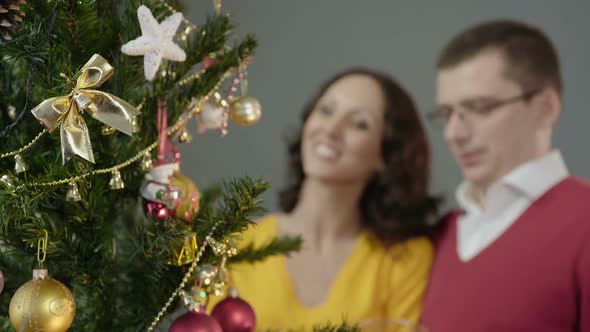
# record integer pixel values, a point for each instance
(342, 136)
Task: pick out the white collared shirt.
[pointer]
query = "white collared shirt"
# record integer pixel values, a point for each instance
(504, 202)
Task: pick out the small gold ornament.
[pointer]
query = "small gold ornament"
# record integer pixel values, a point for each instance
(205, 275)
(19, 164)
(224, 248)
(73, 194)
(220, 282)
(185, 136)
(146, 163)
(7, 180)
(186, 253)
(217, 4)
(116, 182)
(245, 110)
(42, 304)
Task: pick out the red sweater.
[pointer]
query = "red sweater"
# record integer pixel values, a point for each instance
(535, 277)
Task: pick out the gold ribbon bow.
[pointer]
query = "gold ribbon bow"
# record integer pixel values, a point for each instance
(67, 110)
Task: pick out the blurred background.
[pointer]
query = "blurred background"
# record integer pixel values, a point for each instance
(304, 42)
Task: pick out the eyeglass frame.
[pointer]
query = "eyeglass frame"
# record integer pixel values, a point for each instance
(443, 119)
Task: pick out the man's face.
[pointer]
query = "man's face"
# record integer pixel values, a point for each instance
(491, 126)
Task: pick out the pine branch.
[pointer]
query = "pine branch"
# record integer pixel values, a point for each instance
(279, 246)
(342, 327)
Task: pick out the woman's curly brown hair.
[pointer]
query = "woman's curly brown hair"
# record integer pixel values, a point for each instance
(395, 205)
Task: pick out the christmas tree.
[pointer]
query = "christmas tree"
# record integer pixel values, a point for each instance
(94, 95)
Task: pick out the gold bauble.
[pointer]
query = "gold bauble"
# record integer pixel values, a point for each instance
(245, 110)
(42, 304)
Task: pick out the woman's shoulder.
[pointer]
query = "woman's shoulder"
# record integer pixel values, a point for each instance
(414, 251)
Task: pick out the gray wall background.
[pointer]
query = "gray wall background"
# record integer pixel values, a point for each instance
(303, 42)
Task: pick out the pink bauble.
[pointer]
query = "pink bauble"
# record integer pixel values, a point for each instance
(195, 321)
(235, 315)
(1, 282)
(157, 210)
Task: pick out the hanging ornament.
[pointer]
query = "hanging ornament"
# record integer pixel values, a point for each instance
(156, 42)
(1, 282)
(245, 110)
(19, 164)
(212, 116)
(116, 182)
(11, 16)
(167, 192)
(146, 163)
(157, 210)
(234, 314)
(186, 252)
(204, 283)
(224, 249)
(12, 112)
(187, 205)
(8, 181)
(66, 111)
(184, 136)
(42, 304)
(73, 194)
(195, 321)
(217, 5)
(205, 275)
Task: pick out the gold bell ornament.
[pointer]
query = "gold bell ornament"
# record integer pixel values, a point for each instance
(19, 164)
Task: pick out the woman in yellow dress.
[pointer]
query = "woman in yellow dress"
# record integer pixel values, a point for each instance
(359, 199)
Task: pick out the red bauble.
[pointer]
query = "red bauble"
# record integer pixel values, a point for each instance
(235, 315)
(195, 321)
(157, 210)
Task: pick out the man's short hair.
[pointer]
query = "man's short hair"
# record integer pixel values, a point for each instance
(530, 58)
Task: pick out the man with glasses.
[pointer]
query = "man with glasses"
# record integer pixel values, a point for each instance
(517, 257)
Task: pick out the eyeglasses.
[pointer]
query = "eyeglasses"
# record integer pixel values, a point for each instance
(474, 109)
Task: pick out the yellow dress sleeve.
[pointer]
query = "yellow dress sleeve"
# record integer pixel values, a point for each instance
(409, 277)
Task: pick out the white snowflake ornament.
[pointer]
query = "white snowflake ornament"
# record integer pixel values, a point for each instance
(155, 42)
